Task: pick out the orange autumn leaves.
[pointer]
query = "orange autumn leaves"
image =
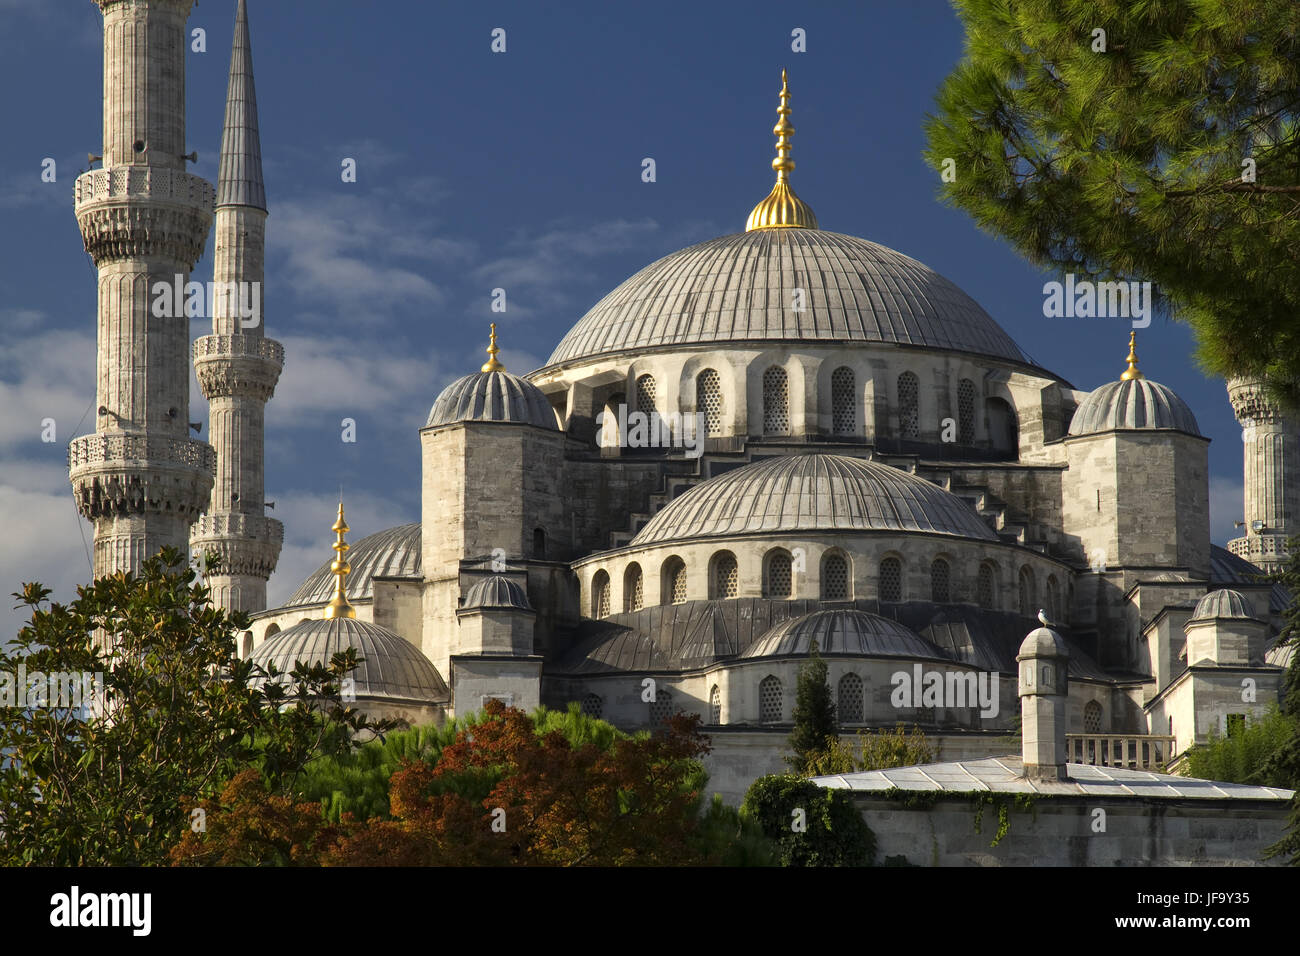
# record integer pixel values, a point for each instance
(500, 794)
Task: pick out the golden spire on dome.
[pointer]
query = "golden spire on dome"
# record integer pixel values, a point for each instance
(492, 365)
(782, 208)
(339, 606)
(1132, 372)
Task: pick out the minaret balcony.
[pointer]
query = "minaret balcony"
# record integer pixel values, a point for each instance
(245, 366)
(136, 211)
(140, 474)
(245, 544)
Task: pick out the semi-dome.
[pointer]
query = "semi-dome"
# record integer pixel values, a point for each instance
(813, 492)
(392, 667)
(843, 631)
(394, 552)
(1222, 603)
(1133, 402)
(739, 288)
(496, 591)
(495, 396)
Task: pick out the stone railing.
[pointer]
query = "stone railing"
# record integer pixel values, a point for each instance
(91, 450)
(232, 346)
(1134, 751)
(144, 182)
(236, 525)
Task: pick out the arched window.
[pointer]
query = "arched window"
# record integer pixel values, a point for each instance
(1027, 595)
(778, 583)
(708, 399)
(271, 631)
(609, 434)
(771, 703)
(844, 403)
(1092, 717)
(539, 544)
(966, 412)
(891, 580)
(776, 402)
(673, 577)
(1054, 600)
(835, 578)
(661, 708)
(600, 595)
(593, 706)
(726, 576)
(1004, 432)
(909, 406)
(633, 590)
(715, 705)
(940, 581)
(247, 644)
(986, 587)
(645, 394)
(849, 706)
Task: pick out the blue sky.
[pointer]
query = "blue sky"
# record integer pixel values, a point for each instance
(478, 170)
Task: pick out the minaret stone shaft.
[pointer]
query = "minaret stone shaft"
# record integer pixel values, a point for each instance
(237, 365)
(1271, 486)
(144, 219)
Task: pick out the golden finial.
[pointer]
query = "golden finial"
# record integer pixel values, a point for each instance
(492, 365)
(782, 208)
(1132, 371)
(339, 606)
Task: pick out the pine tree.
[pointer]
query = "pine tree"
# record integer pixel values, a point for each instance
(814, 713)
(1141, 142)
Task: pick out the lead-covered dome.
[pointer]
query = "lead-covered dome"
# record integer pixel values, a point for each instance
(739, 288)
(496, 591)
(495, 396)
(392, 667)
(394, 552)
(1223, 603)
(1136, 403)
(842, 632)
(813, 492)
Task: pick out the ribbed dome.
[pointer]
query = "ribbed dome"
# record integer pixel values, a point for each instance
(842, 632)
(1222, 603)
(492, 397)
(1138, 403)
(813, 493)
(1043, 642)
(392, 668)
(496, 591)
(738, 288)
(391, 553)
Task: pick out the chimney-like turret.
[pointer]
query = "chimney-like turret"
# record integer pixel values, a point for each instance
(1043, 687)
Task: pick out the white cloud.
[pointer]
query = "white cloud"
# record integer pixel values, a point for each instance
(43, 375)
(1226, 507)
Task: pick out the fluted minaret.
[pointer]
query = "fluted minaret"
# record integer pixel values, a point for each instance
(140, 478)
(237, 365)
(1271, 486)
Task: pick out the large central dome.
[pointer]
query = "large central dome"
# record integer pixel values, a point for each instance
(740, 288)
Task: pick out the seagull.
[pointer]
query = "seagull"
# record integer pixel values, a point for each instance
(1042, 619)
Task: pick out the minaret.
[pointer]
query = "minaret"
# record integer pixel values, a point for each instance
(237, 365)
(1271, 486)
(143, 218)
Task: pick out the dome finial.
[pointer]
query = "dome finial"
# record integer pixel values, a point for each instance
(782, 207)
(339, 606)
(492, 365)
(1132, 371)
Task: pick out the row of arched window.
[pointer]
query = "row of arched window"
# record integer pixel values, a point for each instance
(836, 578)
(844, 402)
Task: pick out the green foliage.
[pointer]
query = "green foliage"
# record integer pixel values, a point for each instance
(1283, 764)
(1245, 756)
(876, 751)
(835, 833)
(113, 783)
(815, 729)
(729, 838)
(1128, 162)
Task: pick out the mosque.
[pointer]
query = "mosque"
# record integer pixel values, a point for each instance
(835, 446)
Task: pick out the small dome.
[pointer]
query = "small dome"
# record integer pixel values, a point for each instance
(495, 396)
(394, 552)
(842, 632)
(1043, 642)
(392, 667)
(497, 590)
(1222, 603)
(1136, 403)
(813, 492)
